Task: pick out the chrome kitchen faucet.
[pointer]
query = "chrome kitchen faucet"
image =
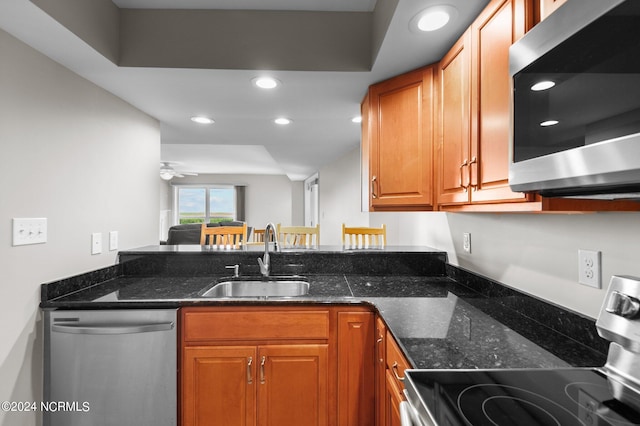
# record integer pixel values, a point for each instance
(265, 261)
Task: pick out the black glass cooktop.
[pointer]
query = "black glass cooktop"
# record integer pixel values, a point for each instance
(537, 397)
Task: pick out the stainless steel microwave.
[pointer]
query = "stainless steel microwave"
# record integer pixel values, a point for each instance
(576, 102)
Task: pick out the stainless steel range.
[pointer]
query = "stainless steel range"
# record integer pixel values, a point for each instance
(608, 395)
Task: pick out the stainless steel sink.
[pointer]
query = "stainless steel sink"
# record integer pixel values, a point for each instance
(258, 288)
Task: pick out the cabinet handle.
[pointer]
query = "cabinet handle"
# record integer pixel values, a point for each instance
(462, 166)
(374, 183)
(394, 368)
(264, 359)
(249, 375)
(474, 160)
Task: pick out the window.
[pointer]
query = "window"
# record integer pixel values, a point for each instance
(211, 203)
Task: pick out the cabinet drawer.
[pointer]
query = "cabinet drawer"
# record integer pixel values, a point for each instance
(246, 324)
(396, 362)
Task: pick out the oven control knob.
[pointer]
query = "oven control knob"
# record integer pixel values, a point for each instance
(623, 305)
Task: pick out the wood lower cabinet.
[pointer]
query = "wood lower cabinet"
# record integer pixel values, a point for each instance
(393, 397)
(293, 384)
(380, 371)
(266, 366)
(356, 396)
(218, 385)
(390, 367)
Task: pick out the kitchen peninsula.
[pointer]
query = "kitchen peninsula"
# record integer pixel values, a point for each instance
(437, 315)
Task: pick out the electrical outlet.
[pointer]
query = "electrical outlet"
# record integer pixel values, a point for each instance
(589, 268)
(466, 242)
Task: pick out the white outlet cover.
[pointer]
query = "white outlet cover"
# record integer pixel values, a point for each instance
(466, 242)
(589, 268)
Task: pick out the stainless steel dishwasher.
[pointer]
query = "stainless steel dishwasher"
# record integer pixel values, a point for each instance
(110, 367)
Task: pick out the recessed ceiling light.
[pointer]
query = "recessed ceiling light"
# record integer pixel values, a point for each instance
(202, 120)
(543, 85)
(433, 18)
(282, 121)
(549, 123)
(266, 82)
(357, 119)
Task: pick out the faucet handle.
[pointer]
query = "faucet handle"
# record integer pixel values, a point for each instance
(236, 270)
(264, 267)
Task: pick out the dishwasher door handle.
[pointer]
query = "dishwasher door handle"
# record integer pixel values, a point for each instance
(111, 329)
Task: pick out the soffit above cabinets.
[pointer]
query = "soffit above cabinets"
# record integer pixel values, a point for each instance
(174, 64)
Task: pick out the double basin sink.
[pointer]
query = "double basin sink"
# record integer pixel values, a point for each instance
(276, 286)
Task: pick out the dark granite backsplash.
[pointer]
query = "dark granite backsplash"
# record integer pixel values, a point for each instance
(579, 327)
(363, 262)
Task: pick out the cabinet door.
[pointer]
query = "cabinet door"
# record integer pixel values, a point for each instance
(380, 368)
(453, 158)
(393, 398)
(356, 385)
(292, 385)
(493, 32)
(218, 386)
(401, 114)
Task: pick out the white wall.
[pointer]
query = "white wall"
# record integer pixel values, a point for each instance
(535, 253)
(269, 198)
(340, 197)
(86, 161)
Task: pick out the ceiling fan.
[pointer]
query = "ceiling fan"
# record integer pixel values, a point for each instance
(167, 172)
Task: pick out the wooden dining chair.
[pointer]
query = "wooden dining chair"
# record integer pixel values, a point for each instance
(364, 237)
(258, 236)
(223, 236)
(298, 236)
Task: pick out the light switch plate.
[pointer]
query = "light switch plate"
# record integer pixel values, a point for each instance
(96, 243)
(113, 240)
(29, 231)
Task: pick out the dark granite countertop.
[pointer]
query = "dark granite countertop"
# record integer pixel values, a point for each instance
(438, 322)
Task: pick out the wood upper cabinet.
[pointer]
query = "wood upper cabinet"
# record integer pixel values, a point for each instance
(475, 109)
(499, 25)
(398, 128)
(453, 148)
